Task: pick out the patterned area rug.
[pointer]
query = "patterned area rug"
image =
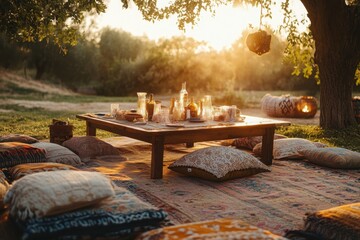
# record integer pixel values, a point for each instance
(276, 200)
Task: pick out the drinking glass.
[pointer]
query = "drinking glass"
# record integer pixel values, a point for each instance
(114, 107)
(207, 108)
(141, 103)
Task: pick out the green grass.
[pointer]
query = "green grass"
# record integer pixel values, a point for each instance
(347, 138)
(39, 96)
(35, 122)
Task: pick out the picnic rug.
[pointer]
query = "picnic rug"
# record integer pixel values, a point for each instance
(276, 200)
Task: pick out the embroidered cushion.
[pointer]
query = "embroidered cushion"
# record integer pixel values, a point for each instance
(283, 106)
(287, 148)
(340, 222)
(119, 217)
(18, 138)
(50, 193)
(250, 142)
(333, 157)
(22, 170)
(13, 153)
(4, 186)
(59, 154)
(223, 228)
(90, 147)
(218, 163)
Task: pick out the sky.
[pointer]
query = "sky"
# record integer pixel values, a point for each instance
(220, 31)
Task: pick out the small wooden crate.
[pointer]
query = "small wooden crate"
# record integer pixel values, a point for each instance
(60, 133)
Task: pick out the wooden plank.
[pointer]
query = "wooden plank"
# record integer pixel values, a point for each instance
(210, 134)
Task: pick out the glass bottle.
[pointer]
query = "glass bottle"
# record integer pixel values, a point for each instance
(183, 95)
(172, 105)
(141, 103)
(200, 107)
(150, 106)
(192, 107)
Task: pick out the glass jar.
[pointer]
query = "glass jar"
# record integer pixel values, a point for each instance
(150, 104)
(141, 103)
(207, 108)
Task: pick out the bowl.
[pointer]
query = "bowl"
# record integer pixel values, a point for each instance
(132, 116)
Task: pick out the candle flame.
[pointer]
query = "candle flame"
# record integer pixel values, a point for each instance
(305, 109)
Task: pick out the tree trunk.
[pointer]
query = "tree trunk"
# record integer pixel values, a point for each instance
(336, 31)
(40, 68)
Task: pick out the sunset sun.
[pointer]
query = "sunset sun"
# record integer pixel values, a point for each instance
(219, 31)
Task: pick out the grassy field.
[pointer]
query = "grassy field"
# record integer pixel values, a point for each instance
(35, 121)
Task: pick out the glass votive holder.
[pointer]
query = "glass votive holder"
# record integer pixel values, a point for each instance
(114, 107)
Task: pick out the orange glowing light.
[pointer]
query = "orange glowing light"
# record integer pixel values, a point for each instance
(305, 109)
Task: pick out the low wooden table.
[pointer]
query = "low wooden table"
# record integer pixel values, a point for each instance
(160, 134)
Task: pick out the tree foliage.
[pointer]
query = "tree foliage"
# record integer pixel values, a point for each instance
(38, 20)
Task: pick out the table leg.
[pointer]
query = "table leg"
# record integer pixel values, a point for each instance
(267, 146)
(90, 129)
(157, 157)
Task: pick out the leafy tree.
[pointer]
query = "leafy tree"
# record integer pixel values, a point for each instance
(334, 29)
(38, 20)
(11, 55)
(119, 51)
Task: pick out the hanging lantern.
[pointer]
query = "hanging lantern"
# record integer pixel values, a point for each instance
(306, 107)
(259, 42)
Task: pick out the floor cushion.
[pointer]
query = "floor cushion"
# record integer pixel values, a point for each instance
(223, 228)
(4, 186)
(340, 222)
(250, 142)
(333, 157)
(18, 138)
(90, 147)
(59, 154)
(22, 170)
(50, 193)
(279, 106)
(218, 163)
(287, 148)
(120, 217)
(13, 153)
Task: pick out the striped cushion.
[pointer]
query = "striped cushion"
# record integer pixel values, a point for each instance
(13, 153)
(120, 217)
(340, 222)
(18, 138)
(333, 157)
(22, 170)
(4, 186)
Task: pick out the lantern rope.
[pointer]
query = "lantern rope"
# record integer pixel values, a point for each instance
(261, 13)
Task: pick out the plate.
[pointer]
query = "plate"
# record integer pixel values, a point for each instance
(175, 125)
(140, 123)
(197, 120)
(100, 114)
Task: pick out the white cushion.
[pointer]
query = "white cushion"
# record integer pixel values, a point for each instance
(49, 193)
